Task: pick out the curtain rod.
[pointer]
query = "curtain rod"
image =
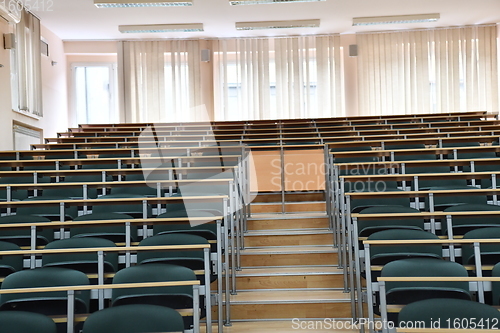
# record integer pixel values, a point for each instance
(224, 38)
(427, 29)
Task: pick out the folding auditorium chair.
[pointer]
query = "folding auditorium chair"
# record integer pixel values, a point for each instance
(447, 312)
(134, 209)
(206, 229)
(22, 237)
(26, 322)
(490, 253)
(114, 233)
(133, 318)
(461, 225)
(52, 212)
(180, 297)
(383, 254)
(47, 303)
(77, 193)
(144, 190)
(9, 264)
(368, 227)
(403, 293)
(192, 259)
(86, 262)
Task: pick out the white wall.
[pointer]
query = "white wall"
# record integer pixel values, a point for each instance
(54, 92)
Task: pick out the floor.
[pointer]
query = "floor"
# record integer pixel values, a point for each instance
(287, 326)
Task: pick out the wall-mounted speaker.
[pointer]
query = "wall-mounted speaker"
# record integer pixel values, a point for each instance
(353, 50)
(205, 55)
(9, 41)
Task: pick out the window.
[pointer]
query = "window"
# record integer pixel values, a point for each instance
(95, 93)
(26, 78)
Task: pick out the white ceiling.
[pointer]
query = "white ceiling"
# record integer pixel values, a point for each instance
(81, 20)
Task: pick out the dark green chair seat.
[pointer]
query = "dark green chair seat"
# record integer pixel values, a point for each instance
(448, 312)
(134, 318)
(83, 262)
(401, 293)
(192, 259)
(462, 225)
(115, 233)
(368, 227)
(178, 297)
(52, 211)
(490, 253)
(442, 202)
(26, 322)
(11, 263)
(383, 254)
(47, 303)
(132, 209)
(406, 292)
(206, 228)
(22, 237)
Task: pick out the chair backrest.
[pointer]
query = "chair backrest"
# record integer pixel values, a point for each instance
(382, 254)
(12, 263)
(26, 322)
(442, 202)
(134, 318)
(52, 212)
(132, 209)
(441, 310)
(115, 233)
(358, 204)
(205, 228)
(84, 262)
(495, 286)
(462, 225)
(368, 227)
(179, 297)
(406, 292)
(22, 237)
(54, 302)
(490, 253)
(192, 259)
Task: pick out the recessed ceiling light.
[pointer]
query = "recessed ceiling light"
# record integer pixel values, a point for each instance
(258, 2)
(419, 18)
(140, 3)
(277, 24)
(146, 28)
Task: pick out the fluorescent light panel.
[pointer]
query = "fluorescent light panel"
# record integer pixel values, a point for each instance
(277, 24)
(141, 3)
(147, 28)
(259, 2)
(418, 18)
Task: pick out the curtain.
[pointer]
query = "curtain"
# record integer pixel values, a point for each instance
(428, 71)
(278, 78)
(27, 77)
(161, 81)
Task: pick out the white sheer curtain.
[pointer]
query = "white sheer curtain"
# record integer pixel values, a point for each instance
(271, 78)
(428, 71)
(26, 66)
(161, 80)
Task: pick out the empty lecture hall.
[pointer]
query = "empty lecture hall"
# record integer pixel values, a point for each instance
(249, 166)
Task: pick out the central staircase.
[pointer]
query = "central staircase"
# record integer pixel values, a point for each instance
(289, 266)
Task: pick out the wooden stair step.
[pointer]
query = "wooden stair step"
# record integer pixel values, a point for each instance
(306, 206)
(273, 326)
(289, 277)
(290, 304)
(288, 222)
(289, 256)
(288, 237)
